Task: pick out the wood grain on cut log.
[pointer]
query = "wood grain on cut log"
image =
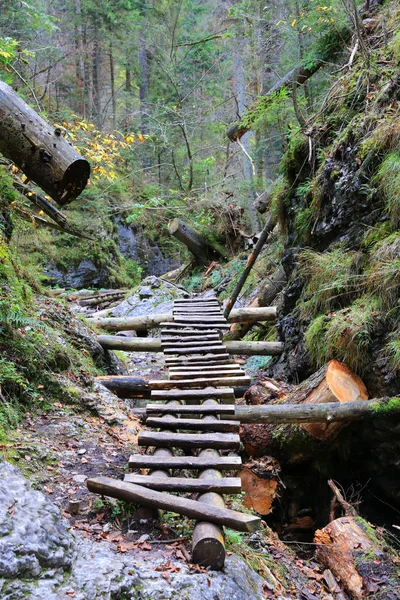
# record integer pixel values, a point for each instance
(40, 150)
(293, 443)
(358, 558)
(260, 482)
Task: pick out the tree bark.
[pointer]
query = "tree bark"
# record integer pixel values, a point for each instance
(39, 150)
(293, 443)
(358, 558)
(202, 250)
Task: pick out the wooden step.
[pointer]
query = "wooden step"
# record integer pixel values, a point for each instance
(194, 312)
(216, 372)
(190, 338)
(198, 424)
(106, 486)
(167, 384)
(197, 302)
(190, 409)
(203, 349)
(188, 344)
(227, 485)
(205, 367)
(196, 359)
(180, 324)
(204, 319)
(221, 463)
(226, 394)
(188, 331)
(163, 439)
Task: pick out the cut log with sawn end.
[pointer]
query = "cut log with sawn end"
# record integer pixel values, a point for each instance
(40, 150)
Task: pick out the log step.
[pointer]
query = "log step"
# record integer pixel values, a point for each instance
(221, 463)
(163, 439)
(197, 302)
(188, 331)
(198, 424)
(192, 409)
(205, 320)
(206, 358)
(196, 350)
(188, 344)
(227, 485)
(205, 368)
(183, 324)
(215, 373)
(207, 392)
(192, 338)
(106, 486)
(167, 384)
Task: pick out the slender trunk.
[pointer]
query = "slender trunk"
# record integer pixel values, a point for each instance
(239, 88)
(144, 91)
(97, 76)
(79, 63)
(128, 99)
(112, 81)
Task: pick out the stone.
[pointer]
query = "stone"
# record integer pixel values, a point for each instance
(42, 559)
(145, 292)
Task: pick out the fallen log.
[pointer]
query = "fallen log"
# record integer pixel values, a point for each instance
(201, 249)
(333, 383)
(359, 558)
(128, 344)
(333, 412)
(260, 483)
(143, 323)
(193, 509)
(40, 150)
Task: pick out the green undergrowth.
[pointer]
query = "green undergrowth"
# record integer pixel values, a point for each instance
(42, 353)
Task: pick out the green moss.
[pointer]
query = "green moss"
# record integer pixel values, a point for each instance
(383, 272)
(344, 335)
(388, 178)
(330, 278)
(381, 408)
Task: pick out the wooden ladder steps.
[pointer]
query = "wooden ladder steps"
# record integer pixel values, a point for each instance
(227, 485)
(191, 344)
(188, 331)
(218, 349)
(130, 492)
(163, 439)
(222, 463)
(195, 359)
(191, 338)
(217, 320)
(166, 384)
(190, 409)
(215, 373)
(198, 424)
(183, 324)
(206, 392)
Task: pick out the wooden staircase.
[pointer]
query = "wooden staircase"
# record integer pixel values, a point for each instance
(188, 426)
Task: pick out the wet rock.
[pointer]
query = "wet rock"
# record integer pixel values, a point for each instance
(145, 292)
(86, 274)
(105, 404)
(41, 559)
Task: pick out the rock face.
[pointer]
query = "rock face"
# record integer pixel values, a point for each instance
(41, 559)
(133, 244)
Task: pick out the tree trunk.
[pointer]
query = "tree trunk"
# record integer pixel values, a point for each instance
(358, 558)
(96, 70)
(40, 150)
(200, 248)
(112, 82)
(292, 443)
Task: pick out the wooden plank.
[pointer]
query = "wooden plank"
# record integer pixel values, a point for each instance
(226, 393)
(218, 409)
(227, 485)
(196, 302)
(106, 486)
(179, 324)
(206, 320)
(190, 338)
(200, 312)
(201, 364)
(198, 424)
(206, 358)
(189, 331)
(205, 367)
(167, 384)
(215, 373)
(222, 463)
(163, 439)
(188, 344)
(220, 348)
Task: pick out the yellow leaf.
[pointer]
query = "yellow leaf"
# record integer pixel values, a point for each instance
(294, 22)
(141, 138)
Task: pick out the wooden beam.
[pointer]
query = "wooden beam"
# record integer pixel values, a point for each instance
(197, 424)
(167, 384)
(227, 485)
(222, 463)
(161, 439)
(106, 486)
(201, 409)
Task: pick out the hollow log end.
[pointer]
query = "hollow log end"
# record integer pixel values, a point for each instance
(173, 226)
(73, 182)
(209, 550)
